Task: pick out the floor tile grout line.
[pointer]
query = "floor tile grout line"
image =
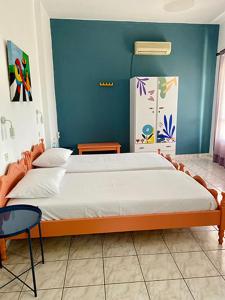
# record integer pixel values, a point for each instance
(148, 293)
(163, 237)
(116, 283)
(67, 263)
(205, 252)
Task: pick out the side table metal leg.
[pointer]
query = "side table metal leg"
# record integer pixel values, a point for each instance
(32, 263)
(41, 243)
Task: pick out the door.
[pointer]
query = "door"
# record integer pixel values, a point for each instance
(146, 104)
(167, 109)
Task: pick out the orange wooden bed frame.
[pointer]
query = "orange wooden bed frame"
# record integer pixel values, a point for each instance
(79, 226)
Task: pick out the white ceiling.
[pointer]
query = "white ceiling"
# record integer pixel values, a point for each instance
(203, 11)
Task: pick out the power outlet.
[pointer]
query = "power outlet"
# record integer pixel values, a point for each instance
(6, 156)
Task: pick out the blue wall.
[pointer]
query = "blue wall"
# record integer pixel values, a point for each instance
(86, 52)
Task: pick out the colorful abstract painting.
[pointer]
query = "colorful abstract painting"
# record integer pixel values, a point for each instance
(19, 74)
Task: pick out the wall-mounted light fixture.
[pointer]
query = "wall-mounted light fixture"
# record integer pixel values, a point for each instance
(39, 117)
(4, 121)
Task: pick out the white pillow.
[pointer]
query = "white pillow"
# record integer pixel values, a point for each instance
(54, 157)
(38, 183)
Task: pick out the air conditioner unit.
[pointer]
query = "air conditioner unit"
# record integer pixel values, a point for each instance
(152, 48)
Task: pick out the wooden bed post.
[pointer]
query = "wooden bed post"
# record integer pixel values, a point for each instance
(222, 219)
(181, 167)
(3, 249)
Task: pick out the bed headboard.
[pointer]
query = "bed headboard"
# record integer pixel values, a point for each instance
(35, 151)
(14, 173)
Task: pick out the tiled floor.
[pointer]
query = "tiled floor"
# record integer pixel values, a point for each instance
(160, 265)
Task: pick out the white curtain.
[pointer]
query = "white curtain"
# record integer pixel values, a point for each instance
(219, 143)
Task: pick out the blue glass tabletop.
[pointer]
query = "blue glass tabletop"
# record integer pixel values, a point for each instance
(16, 219)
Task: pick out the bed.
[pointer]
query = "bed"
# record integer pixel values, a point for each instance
(109, 162)
(177, 201)
(106, 194)
(117, 162)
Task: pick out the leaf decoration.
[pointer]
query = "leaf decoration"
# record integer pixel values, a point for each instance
(150, 136)
(167, 134)
(165, 122)
(170, 123)
(173, 131)
(168, 130)
(141, 85)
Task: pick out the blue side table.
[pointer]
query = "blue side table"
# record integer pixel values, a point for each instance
(17, 219)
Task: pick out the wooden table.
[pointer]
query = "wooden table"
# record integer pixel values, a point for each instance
(96, 147)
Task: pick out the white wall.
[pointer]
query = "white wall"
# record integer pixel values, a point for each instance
(18, 24)
(221, 46)
(221, 43)
(44, 44)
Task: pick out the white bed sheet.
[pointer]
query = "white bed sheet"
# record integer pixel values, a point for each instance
(116, 162)
(88, 195)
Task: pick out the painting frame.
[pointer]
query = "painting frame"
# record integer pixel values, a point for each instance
(19, 74)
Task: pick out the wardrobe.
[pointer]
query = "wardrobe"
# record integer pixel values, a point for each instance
(153, 114)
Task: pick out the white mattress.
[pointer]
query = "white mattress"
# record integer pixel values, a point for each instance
(117, 162)
(88, 195)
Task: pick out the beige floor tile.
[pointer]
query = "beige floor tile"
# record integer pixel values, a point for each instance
(148, 242)
(169, 289)
(84, 272)
(16, 285)
(118, 244)
(56, 248)
(218, 259)
(9, 296)
(203, 228)
(122, 269)
(127, 291)
(194, 264)
(159, 267)
(84, 293)
(181, 242)
(18, 251)
(86, 246)
(211, 288)
(49, 275)
(52, 294)
(208, 240)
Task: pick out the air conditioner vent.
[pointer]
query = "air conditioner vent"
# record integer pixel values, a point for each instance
(152, 48)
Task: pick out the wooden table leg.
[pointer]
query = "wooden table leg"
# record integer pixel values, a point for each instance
(80, 152)
(118, 150)
(3, 249)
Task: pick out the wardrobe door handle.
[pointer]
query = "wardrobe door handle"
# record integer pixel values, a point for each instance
(161, 107)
